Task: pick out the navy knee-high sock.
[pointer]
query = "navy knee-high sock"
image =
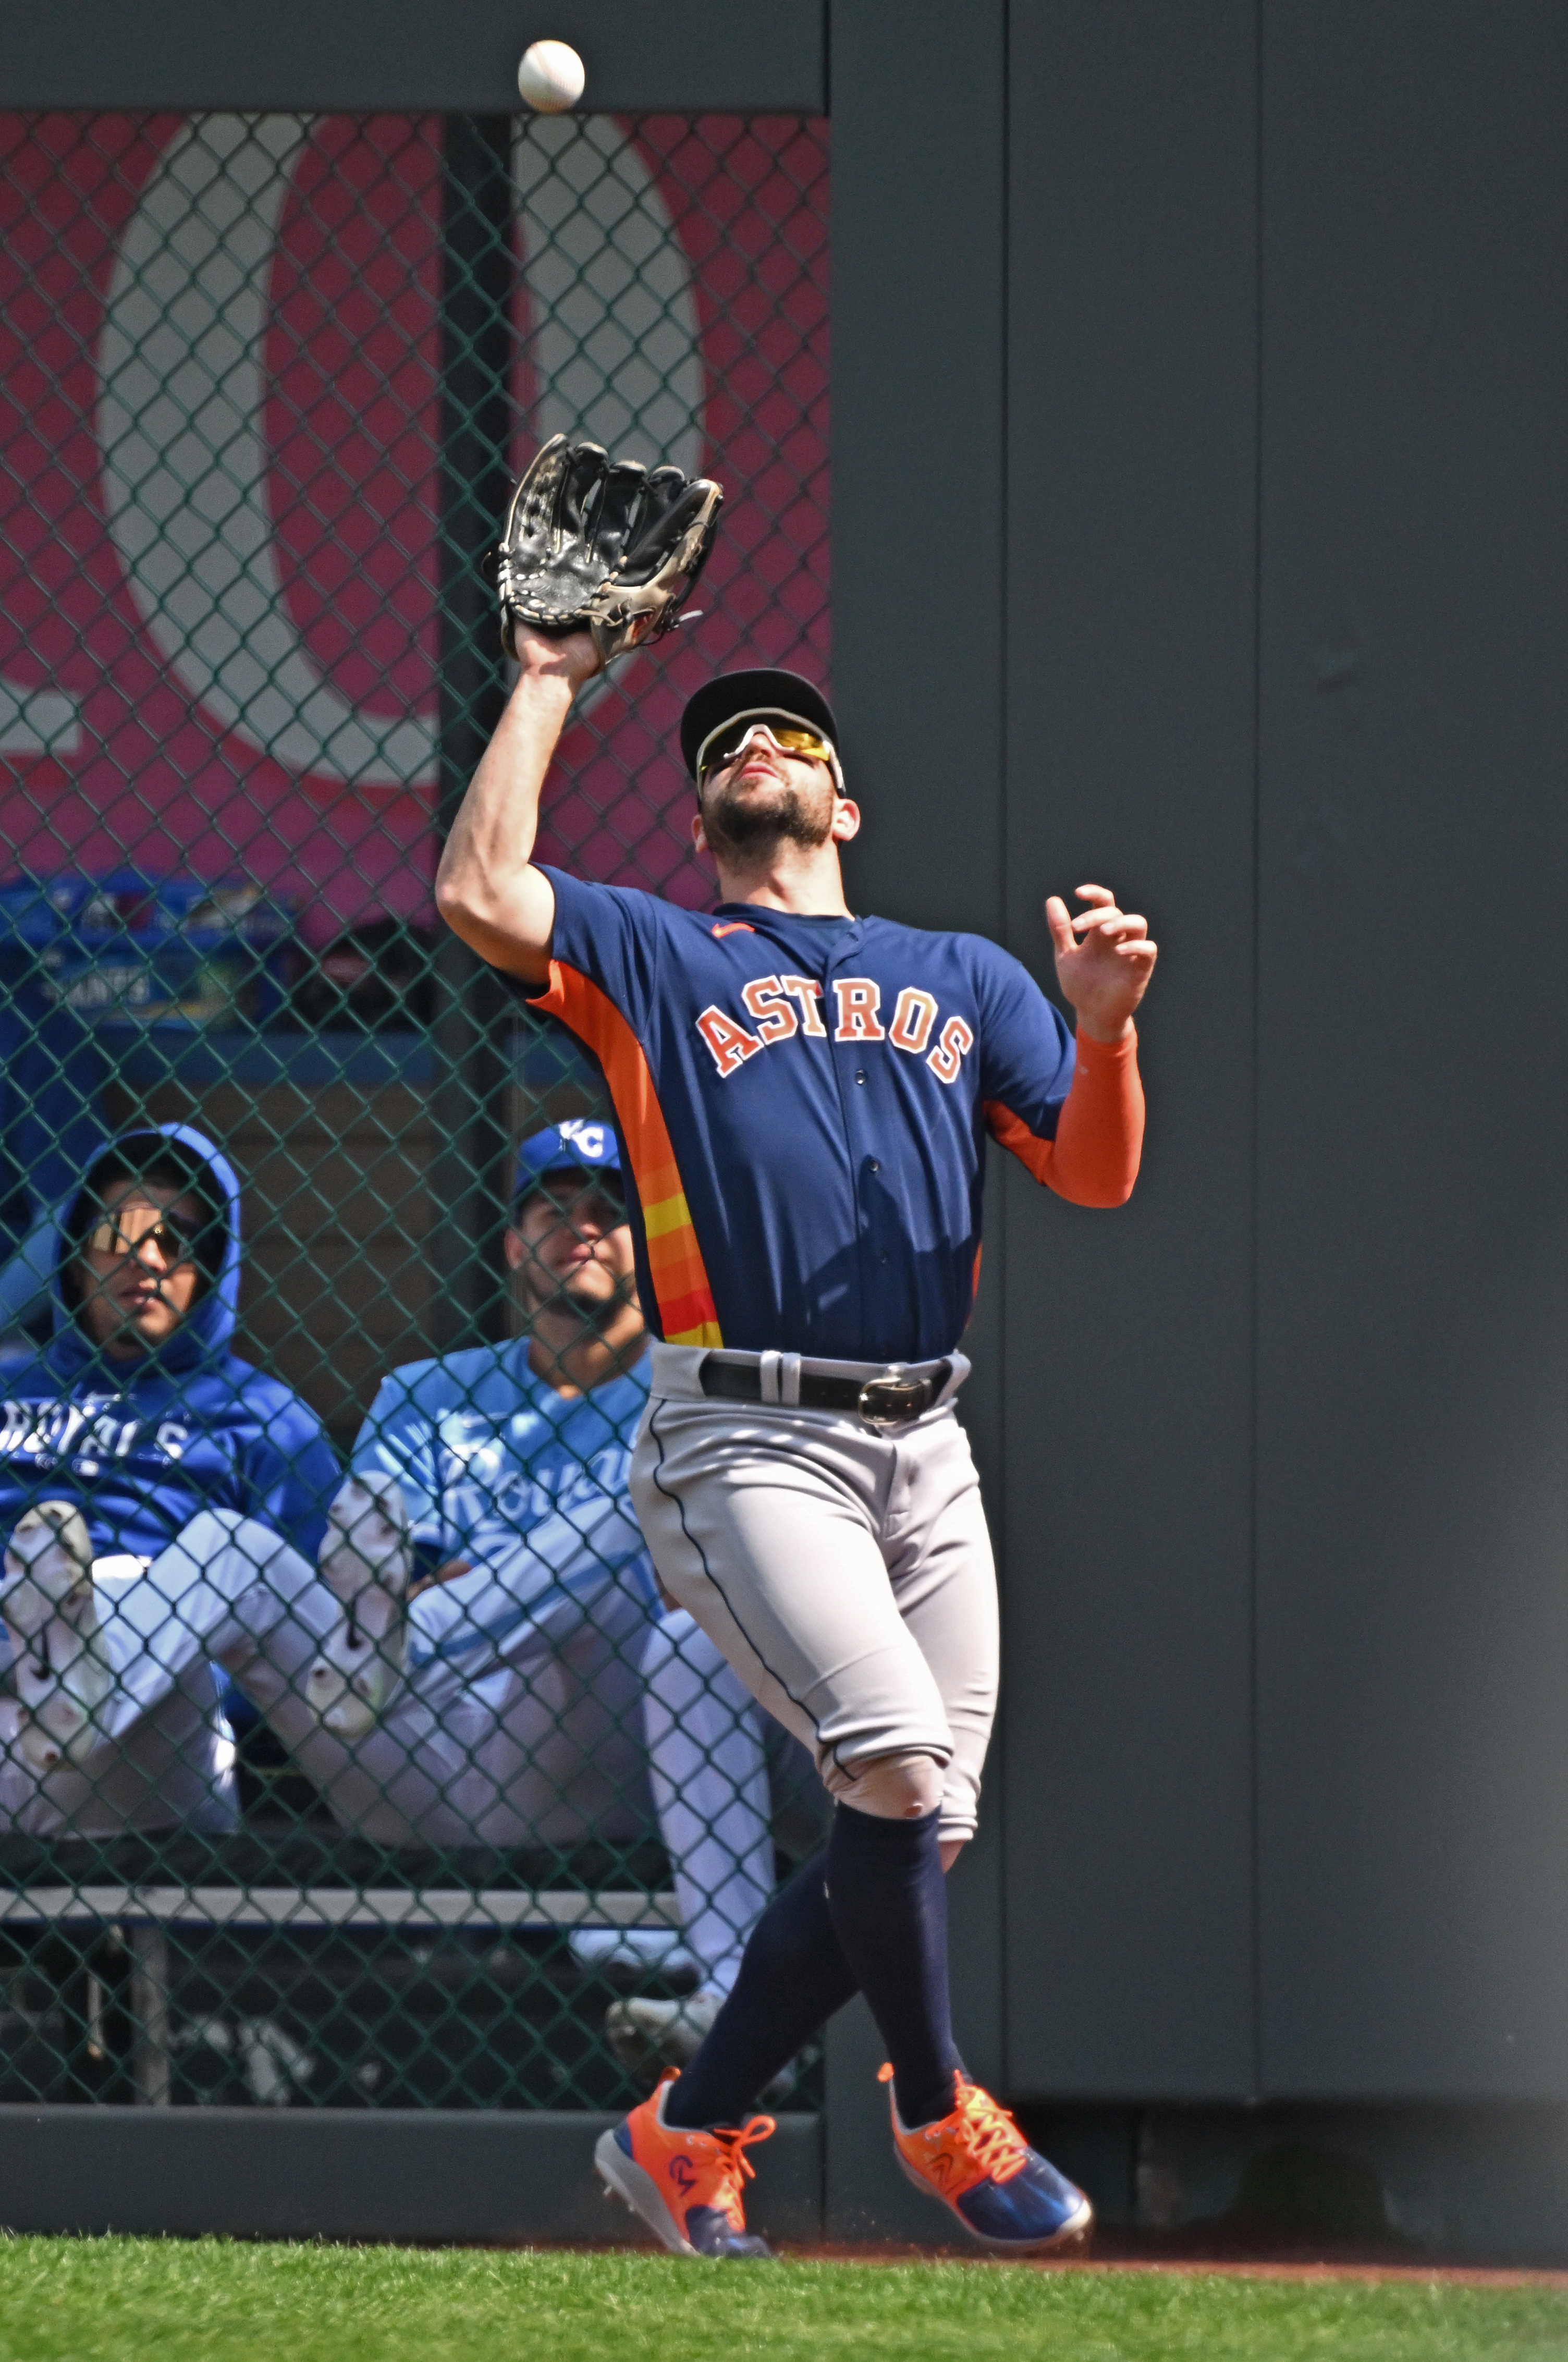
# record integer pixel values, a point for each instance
(793, 1976)
(889, 1903)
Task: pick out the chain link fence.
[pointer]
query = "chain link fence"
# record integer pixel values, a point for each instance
(349, 1756)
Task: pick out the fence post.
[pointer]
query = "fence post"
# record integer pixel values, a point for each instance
(151, 2058)
(472, 1028)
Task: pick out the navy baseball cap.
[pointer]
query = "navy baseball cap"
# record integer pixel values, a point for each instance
(577, 1146)
(758, 692)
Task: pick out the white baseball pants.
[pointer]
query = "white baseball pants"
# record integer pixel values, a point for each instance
(499, 1748)
(227, 1591)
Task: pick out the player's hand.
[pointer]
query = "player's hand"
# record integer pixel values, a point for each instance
(1104, 960)
(570, 657)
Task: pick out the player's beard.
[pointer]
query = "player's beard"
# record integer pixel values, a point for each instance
(743, 832)
(593, 1303)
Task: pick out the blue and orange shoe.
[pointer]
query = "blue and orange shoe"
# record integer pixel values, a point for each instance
(685, 2185)
(977, 2162)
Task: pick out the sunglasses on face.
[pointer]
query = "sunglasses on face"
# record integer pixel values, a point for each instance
(731, 739)
(131, 1229)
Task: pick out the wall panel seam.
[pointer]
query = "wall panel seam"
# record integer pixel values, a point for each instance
(1254, 1178)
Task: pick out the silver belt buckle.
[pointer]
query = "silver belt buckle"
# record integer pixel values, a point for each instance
(889, 1401)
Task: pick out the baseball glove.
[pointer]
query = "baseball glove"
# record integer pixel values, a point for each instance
(601, 546)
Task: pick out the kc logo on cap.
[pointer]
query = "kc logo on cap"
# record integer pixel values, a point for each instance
(580, 1144)
(595, 1142)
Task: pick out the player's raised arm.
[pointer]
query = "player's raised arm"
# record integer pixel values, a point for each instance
(596, 558)
(1104, 961)
(487, 888)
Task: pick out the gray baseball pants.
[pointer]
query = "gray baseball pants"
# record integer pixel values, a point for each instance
(845, 1571)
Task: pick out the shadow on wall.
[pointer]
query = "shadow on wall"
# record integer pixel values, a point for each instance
(1484, 2184)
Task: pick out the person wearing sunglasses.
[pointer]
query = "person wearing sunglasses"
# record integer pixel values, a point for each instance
(804, 1095)
(160, 1500)
(140, 1265)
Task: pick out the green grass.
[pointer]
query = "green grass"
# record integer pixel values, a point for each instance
(206, 2300)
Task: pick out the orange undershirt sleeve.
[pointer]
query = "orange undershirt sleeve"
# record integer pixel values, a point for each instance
(1093, 1161)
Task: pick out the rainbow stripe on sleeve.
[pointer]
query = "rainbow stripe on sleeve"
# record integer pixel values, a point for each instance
(687, 1313)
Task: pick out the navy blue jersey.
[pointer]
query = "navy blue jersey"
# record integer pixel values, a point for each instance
(803, 1105)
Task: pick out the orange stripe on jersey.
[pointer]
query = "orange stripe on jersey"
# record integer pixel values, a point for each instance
(687, 1312)
(688, 1320)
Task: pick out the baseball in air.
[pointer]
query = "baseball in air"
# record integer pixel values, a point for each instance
(551, 76)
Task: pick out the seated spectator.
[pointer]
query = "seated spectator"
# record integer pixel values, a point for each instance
(488, 1677)
(162, 1500)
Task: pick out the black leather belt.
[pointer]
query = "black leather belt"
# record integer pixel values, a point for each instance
(887, 1401)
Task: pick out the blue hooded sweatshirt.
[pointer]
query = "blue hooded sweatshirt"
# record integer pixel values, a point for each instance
(143, 1445)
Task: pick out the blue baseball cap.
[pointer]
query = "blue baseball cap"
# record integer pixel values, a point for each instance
(577, 1146)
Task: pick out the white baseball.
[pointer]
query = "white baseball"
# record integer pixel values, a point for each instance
(551, 76)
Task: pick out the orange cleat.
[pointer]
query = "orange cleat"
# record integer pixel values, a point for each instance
(685, 2185)
(977, 2163)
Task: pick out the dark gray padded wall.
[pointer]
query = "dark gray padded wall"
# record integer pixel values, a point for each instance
(1413, 1518)
(437, 2174)
(686, 55)
(1131, 439)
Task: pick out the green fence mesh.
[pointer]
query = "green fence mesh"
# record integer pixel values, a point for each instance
(431, 1802)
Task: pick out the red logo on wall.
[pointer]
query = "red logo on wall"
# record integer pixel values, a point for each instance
(219, 409)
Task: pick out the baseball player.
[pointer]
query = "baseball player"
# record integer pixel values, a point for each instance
(802, 1096)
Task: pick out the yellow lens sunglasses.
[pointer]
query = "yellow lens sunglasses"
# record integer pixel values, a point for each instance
(787, 731)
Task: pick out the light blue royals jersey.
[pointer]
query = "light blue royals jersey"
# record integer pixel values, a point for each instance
(526, 1485)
